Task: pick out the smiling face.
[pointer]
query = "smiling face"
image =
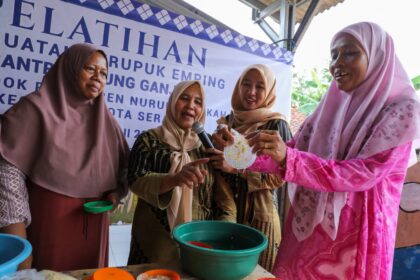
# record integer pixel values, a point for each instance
(349, 62)
(252, 90)
(188, 107)
(92, 77)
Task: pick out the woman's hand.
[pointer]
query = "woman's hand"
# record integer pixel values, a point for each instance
(222, 137)
(26, 264)
(19, 229)
(217, 160)
(191, 175)
(114, 198)
(268, 142)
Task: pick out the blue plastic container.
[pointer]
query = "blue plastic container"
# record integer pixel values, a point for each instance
(13, 251)
(406, 263)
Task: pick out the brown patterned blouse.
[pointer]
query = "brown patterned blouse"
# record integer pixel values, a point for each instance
(151, 238)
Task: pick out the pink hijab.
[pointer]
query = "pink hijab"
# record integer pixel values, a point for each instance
(381, 113)
(59, 139)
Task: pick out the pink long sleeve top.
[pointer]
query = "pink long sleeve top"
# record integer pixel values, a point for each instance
(364, 246)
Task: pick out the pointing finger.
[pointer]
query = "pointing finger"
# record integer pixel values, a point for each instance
(199, 161)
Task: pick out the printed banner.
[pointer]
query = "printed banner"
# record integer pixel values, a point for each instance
(149, 51)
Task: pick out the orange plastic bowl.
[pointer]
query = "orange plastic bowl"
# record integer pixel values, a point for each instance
(112, 273)
(173, 275)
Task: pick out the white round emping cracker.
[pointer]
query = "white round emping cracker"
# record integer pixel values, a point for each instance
(239, 155)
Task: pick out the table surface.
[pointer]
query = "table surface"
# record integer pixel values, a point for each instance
(135, 270)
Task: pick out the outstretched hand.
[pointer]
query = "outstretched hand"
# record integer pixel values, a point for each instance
(222, 137)
(114, 198)
(268, 142)
(217, 160)
(191, 175)
(26, 264)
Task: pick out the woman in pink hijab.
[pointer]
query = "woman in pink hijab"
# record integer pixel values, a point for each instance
(346, 164)
(60, 147)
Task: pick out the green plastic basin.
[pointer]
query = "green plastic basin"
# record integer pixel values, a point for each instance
(98, 206)
(234, 253)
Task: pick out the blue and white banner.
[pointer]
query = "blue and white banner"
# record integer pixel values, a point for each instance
(149, 51)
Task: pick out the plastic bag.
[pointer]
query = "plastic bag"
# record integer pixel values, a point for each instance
(26, 274)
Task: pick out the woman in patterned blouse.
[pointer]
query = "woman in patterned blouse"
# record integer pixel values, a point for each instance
(255, 192)
(168, 171)
(346, 165)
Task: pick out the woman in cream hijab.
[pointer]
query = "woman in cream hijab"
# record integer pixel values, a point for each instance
(253, 96)
(169, 174)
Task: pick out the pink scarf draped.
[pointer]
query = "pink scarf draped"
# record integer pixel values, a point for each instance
(62, 141)
(381, 113)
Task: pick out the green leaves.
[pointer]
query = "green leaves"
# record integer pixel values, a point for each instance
(308, 90)
(416, 82)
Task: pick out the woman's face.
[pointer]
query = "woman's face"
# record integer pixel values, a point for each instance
(349, 62)
(92, 77)
(252, 90)
(188, 107)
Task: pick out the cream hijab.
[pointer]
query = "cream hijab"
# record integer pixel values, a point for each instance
(181, 142)
(247, 121)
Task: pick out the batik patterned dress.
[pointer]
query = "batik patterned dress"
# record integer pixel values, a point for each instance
(151, 237)
(255, 196)
(364, 246)
(14, 204)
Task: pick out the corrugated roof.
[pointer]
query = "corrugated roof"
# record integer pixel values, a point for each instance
(322, 6)
(296, 120)
(305, 10)
(302, 6)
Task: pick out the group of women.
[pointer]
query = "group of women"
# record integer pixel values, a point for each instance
(60, 147)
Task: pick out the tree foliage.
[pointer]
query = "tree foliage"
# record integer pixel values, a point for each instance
(416, 82)
(307, 90)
